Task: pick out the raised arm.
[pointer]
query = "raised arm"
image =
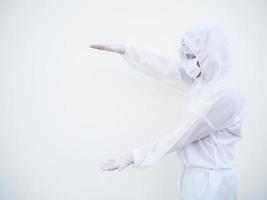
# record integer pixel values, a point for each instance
(154, 66)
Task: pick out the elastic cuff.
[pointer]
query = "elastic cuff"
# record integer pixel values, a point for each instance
(138, 158)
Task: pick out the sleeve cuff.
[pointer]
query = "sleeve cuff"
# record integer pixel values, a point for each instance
(138, 158)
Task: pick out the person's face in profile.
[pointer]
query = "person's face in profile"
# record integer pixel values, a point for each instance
(192, 56)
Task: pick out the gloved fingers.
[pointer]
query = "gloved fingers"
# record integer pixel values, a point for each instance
(109, 165)
(98, 46)
(113, 48)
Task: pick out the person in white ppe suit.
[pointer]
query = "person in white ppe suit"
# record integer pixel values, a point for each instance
(211, 126)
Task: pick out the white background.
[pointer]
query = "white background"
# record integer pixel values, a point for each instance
(65, 108)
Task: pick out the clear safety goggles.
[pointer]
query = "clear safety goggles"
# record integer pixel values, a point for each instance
(186, 52)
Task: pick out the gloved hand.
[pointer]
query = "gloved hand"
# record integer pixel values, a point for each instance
(116, 48)
(118, 164)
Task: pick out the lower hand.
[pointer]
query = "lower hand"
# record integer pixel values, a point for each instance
(118, 164)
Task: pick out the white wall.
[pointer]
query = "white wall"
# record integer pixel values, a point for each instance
(65, 108)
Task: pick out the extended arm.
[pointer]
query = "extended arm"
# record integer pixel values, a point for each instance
(194, 127)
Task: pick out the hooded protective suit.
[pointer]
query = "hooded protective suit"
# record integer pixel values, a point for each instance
(205, 138)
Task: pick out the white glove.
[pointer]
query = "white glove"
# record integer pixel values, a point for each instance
(116, 48)
(119, 163)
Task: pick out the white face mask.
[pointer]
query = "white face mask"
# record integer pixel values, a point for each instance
(190, 67)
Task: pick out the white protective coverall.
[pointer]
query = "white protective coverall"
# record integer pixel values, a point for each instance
(205, 138)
